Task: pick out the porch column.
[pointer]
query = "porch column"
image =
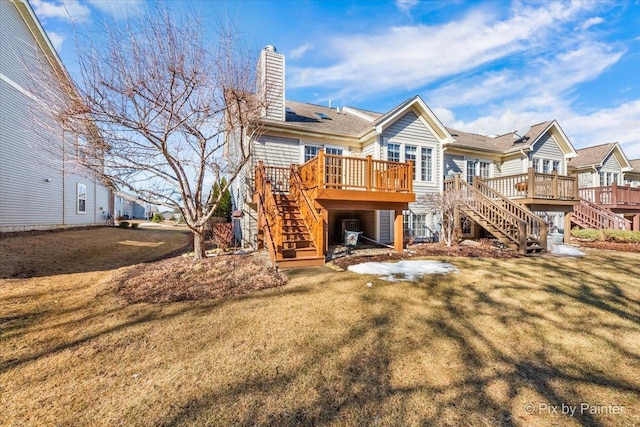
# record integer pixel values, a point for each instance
(398, 235)
(636, 222)
(567, 227)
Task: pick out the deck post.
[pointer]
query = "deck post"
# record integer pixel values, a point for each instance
(321, 167)
(554, 185)
(410, 177)
(531, 178)
(614, 193)
(369, 172)
(636, 222)
(398, 235)
(567, 227)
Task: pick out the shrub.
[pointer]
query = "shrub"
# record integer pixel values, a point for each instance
(587, 234)
(156, 218)
(624, 236)
(124, 224)
(134, 225)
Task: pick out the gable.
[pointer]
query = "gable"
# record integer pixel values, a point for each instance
(611, 164)
(547, 147)
(410, 128)
(559, 138)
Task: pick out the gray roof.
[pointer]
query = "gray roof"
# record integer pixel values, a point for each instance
(502, 143)
(590, 156)
(303, 116)
(635, 164)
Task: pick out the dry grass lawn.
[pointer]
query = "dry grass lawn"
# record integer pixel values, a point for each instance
(463, 349)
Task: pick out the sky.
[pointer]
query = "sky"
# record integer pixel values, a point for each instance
(487, 67)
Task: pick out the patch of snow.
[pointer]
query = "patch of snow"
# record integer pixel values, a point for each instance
(403, 270)
(567, 250)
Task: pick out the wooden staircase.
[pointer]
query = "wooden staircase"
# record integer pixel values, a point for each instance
(513, 225)
(282, 226)
(590, 215)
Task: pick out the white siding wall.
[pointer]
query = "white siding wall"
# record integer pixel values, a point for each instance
(32, 193)
(512, 167)
(271, 74)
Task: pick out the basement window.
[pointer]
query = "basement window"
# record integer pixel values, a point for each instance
(81, 192)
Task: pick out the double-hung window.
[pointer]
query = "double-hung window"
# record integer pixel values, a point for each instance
(546, 166)
(484, 169)
(310, 151)
(556, 166)
(81, 194)
(426, 169)
(393, 152)
(535, 164)
(471, 170)
(410, 154)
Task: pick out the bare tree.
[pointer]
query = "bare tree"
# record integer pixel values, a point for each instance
(159, 114)
(448, 204)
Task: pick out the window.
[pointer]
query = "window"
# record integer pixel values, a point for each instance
(535, 164)
(410, 154)
(415, 225)
(484, 169)
(81, 191)
(426, 170)
(614, 178)
(603, 179)
(393, 152)
(471, 170)
(334, 151)
(556, 166)
(310, 151)
(546, 166)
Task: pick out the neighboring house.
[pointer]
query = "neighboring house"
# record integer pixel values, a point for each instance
(320, 170)
(130, 207)
(605, 176)
(40, 185)
(632, 177)
(544, 148)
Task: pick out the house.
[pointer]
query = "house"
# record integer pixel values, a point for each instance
(632, 177)
(608, 200)
(317, 172)
(131, 207)
(504, 161)
(40, 185)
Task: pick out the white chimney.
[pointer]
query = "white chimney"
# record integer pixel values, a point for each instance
(271, 83)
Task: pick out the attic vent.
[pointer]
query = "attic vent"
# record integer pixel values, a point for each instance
(322, 116)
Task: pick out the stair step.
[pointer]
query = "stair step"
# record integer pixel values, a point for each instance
(308, 261)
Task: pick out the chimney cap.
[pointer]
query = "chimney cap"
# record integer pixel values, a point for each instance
(270, 48)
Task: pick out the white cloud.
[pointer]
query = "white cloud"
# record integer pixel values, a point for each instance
(301, 50)
(56, 40)
(406, 5)
(408, 57)
(67, 9)
(591, 22)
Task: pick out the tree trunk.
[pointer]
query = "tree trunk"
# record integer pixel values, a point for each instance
(198, 245)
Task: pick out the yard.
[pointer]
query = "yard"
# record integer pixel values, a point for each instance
(505, 342)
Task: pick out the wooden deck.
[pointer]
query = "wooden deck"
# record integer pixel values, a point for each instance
(613, 197)
(293, 202)
(538, 189)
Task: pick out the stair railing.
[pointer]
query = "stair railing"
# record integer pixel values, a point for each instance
(591, 215)
(310, 216)
(268, 212)
(536, 226)
(508, 224)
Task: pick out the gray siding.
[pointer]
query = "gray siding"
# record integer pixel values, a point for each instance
(453, 163)
(34, 174)
(272, 84)
(547, 148)
(369, 150)
(276, 151)
(511, 167)
(611, 165)
(385, 226)
(586, 179)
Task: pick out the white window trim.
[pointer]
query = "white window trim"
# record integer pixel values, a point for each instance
(78, 192)
(476, 167)
(418, 162)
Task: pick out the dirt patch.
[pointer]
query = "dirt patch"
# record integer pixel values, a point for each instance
(480, 250)
(607, 246)
(178, 279)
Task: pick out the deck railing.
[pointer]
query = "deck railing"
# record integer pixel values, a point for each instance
(356, 173)
(611, 195)
(310, 216)
(271, 222)
(534, 185)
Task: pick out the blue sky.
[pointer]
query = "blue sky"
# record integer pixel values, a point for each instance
(488, 67)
